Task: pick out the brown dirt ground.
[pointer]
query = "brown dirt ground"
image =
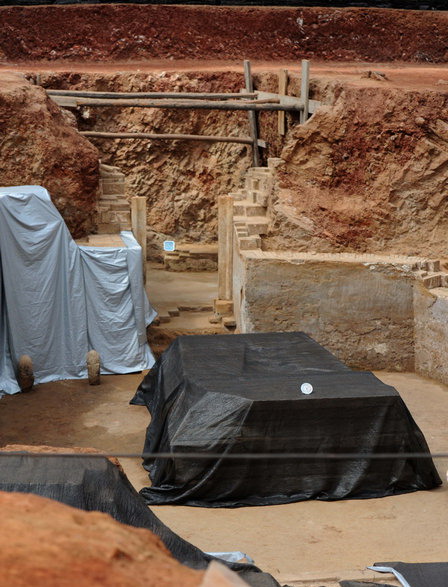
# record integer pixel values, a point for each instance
(123, 32)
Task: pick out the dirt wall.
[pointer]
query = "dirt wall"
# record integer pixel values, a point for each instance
(40, 145)
(124, 32)
(181, 180)
(368, 172)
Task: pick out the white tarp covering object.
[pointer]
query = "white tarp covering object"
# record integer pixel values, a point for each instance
(59, 300)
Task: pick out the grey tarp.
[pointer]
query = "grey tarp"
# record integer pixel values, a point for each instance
(59, 300)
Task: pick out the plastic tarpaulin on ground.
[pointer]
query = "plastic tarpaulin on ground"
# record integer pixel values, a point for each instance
(95, 484)
(59, 300)
(242, 394)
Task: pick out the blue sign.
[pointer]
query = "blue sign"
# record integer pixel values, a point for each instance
(169, 246)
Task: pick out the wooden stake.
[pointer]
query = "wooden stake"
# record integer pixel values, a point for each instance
(252, 116)
(138, 223)
(165, 137)
(225, 247)
(282, 87)
(305, 90)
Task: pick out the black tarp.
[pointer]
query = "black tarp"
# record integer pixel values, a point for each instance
(417, 574)
(241, 394)
(95, 484)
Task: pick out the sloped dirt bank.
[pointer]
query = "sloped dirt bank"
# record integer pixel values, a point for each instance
(124, 32)
(40, 145)
(367, 173)
(55, 545)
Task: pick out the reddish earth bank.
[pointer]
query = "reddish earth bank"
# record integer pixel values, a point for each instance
(367, 173)
(39, 144)
(125, 32)
(43, 542)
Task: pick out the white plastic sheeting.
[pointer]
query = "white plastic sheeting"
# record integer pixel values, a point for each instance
(59, 300)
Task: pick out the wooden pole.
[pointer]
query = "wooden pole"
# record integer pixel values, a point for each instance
(305, 90)
(256, 106)
(225, 247)
(138, 223)
(282, 87)
(182, 95)
(252, 116)
(165, 137)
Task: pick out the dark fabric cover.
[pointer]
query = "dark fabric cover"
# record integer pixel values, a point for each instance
(241, 394)
(421, 574)
(363, 584)
(95, 484)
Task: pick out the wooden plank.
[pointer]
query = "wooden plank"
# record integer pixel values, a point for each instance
(166, 137)
(305, 90)
(252, 116)
(282, 88)
(182, 104)
(169, 95)
(225, 247)
(138, 223)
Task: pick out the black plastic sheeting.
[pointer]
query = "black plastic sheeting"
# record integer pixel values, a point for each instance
(400, 4)
(95, 484)
(418, 574)
(363, 584)
(241, 394)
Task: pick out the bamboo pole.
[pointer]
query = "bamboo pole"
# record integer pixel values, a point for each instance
(282, 87)
(169, 95)
(188, 104)
(165, 137)
(252, 116)
(305, 90)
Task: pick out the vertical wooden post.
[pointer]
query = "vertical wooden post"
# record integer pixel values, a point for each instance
(305, 90)
(282, 87)
(252, 116)
(138, 223)
(225, 247)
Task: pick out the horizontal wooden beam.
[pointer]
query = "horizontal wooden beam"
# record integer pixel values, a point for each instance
(70, 102)
(169, 95)
(165, 137)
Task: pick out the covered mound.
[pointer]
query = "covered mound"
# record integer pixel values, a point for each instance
(43, 542)
(273, 393)
(94, 483)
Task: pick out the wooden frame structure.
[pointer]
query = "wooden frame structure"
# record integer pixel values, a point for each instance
(249, 100)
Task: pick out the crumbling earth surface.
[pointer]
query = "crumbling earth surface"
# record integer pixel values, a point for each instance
(368, 172)
(136, 32)
(40, 145)
(43, 542)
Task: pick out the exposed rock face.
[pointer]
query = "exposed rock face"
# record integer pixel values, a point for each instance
(40, 145)
(122, 32)
(367, 173)
(43, 542)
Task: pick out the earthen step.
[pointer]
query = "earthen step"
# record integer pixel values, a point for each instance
(434, 280)
(117, 205)
(110, 197)
(248, 243)
(248, 208)
(108, 228)
(255, 224)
